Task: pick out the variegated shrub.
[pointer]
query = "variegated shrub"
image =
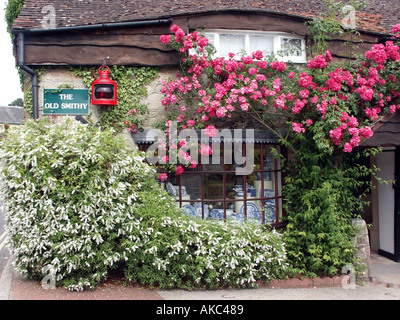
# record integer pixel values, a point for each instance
(79, 201)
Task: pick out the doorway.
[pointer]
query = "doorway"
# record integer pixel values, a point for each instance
(386, 200)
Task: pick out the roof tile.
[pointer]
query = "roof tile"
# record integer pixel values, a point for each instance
(378, 16)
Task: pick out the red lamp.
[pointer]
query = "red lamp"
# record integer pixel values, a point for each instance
(104, 90)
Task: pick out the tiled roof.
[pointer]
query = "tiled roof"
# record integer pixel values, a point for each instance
(378, 16)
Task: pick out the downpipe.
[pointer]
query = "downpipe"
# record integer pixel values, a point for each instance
(35, 81)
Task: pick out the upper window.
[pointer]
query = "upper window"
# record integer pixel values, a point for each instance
(284, 47)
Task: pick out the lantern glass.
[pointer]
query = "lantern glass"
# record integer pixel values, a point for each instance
(104, 91)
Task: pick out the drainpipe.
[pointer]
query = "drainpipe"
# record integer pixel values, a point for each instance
(21, 64)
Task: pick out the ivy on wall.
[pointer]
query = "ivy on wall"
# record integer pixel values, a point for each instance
(27, 88)
(12, 10)
(132, 89)
(129, 112)
(131, 81)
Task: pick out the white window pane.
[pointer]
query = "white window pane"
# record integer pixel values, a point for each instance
(211, 38)
(263, 43)
(231, 43)
(291, 47)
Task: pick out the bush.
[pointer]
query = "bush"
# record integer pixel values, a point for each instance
(82, 202)
(68, 189)
(319, 231)
(172, 251)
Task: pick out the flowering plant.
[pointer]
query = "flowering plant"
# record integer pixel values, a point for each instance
(321, 112)
(333, 105)
(78, 202)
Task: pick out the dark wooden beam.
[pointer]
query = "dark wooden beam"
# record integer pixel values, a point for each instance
(94, 55)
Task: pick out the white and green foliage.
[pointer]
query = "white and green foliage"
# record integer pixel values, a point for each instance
(68, 189)
(173, 251)
(80, 201)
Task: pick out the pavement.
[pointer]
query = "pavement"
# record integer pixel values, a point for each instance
(383, 284)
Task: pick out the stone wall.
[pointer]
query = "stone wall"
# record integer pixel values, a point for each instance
(57, 77)
(54, 78)
(153, 100)
(362, 249)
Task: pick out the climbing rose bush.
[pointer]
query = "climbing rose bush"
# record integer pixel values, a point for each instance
(336, 104)
(321, 111)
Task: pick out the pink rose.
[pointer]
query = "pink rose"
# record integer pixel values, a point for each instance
(258, 55)
(165, 38)
(210, 131)
(179, 170)
(347, 147)
(205, 150)
(298, 127)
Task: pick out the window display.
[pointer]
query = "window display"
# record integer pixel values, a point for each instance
(215, 191)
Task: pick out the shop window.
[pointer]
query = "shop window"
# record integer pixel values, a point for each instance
(216, 189)
(218, 192)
